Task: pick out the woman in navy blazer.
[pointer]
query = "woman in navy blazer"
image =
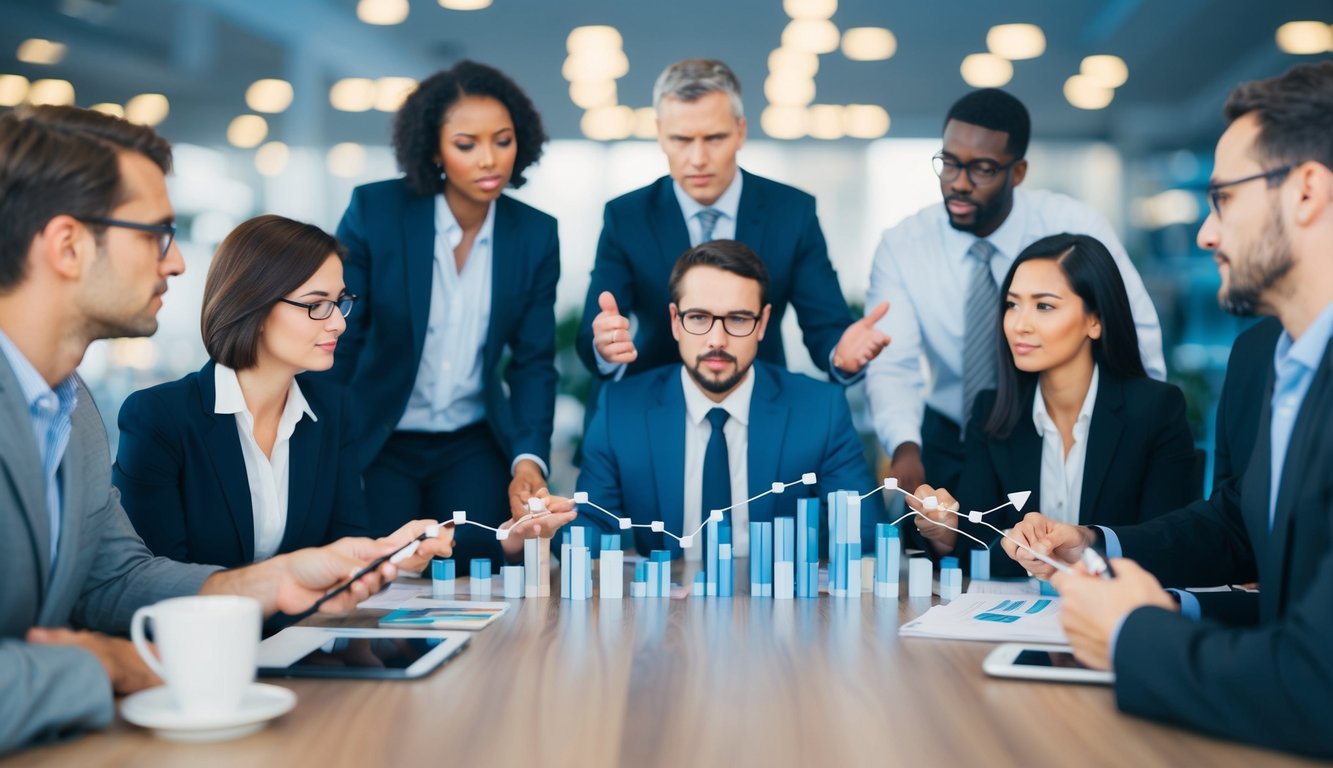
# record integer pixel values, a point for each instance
(245, 459)
(1071, 384)
(451, 353)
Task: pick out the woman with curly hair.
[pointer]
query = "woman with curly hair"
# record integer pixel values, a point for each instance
(451, 354)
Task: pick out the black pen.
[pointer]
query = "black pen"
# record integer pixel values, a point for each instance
(397, 556)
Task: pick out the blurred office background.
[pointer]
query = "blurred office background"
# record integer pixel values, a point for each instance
(285, 105)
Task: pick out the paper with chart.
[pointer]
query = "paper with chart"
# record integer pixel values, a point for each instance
(990, 617)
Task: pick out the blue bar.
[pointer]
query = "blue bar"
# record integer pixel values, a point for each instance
(766, 561)
(661, 561)
(807, 530)
(610, 542)
(784, 550)
(711, 565)
(699, 585)
(980, 564)
(442, 569)
(756, 560)
(726, 576)
(480, 568)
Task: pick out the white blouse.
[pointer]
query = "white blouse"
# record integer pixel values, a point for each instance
(1062, 476)
(267, 475)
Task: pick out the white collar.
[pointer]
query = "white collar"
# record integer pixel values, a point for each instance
(230, 399)
(446, 222)
(736, 404)
(1041, 418)
(728, 204)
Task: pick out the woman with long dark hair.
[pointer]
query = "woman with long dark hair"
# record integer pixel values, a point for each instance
(1074, 418)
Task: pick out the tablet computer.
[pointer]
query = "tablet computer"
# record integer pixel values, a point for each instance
(1041, 662)
(357, 653)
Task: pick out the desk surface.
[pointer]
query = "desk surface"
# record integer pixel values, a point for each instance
(688, 682)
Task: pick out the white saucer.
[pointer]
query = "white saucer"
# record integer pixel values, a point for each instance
(156, 710)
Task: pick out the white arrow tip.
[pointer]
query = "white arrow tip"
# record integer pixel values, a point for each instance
(1019, 499)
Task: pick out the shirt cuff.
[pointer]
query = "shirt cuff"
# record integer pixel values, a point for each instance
(613, 370)
(1189, 604)
(546, 472)
(838, 376)
(1113, 548)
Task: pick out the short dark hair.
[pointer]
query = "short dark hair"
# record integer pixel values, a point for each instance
(416, 127)
(1295, 113)
(261, 261)
(61, 160)
(996, 110)
(727, 255)
(1095, 278)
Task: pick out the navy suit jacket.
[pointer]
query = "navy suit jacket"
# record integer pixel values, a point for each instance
(1139, 461)
(390, 236)
(634, 452)
(182, 479)
(644, 233)
(1272, 683)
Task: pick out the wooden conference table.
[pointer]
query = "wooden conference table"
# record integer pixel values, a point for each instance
(688, 682)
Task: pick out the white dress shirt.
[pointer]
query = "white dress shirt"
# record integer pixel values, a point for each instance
(1061, 475)
(267, 475)
(728, 206)
(921, 268)
(737, 431)
(448, 393)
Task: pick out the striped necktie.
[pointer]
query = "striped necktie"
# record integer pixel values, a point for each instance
(707, 222)
(982, 315)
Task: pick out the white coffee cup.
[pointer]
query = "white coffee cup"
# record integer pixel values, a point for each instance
(207, 645)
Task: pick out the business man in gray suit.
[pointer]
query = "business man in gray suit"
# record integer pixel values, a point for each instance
(85, 251)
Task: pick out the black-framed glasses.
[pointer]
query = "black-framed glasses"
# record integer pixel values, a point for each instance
(1214, 190)
(700, 323)
(322, 310)
(980, 172)
(165, 232)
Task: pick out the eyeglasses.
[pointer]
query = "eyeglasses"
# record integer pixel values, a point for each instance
(980, 172)
(165, 232)
(322, 310)
(700, 323)
(1216, 197)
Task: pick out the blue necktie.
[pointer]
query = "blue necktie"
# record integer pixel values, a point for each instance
(707, 222)
(717, 468)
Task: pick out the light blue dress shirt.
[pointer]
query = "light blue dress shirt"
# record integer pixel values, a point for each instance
(448, 393)
(52, 414)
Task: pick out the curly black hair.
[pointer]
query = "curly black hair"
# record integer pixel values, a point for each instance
(416, 127)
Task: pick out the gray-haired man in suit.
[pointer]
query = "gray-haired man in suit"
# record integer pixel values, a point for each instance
(85, 253)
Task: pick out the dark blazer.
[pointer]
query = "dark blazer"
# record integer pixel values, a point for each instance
(390, 236)
(1138, 465)
(634, 452)
(644, 233)
(182, 478)
(1269, 684)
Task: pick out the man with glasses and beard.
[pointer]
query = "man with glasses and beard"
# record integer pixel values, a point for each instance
(669, 444)
(1248, 666)
(922, 387)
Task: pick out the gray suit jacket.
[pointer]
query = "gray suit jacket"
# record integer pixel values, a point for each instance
(103, 573)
